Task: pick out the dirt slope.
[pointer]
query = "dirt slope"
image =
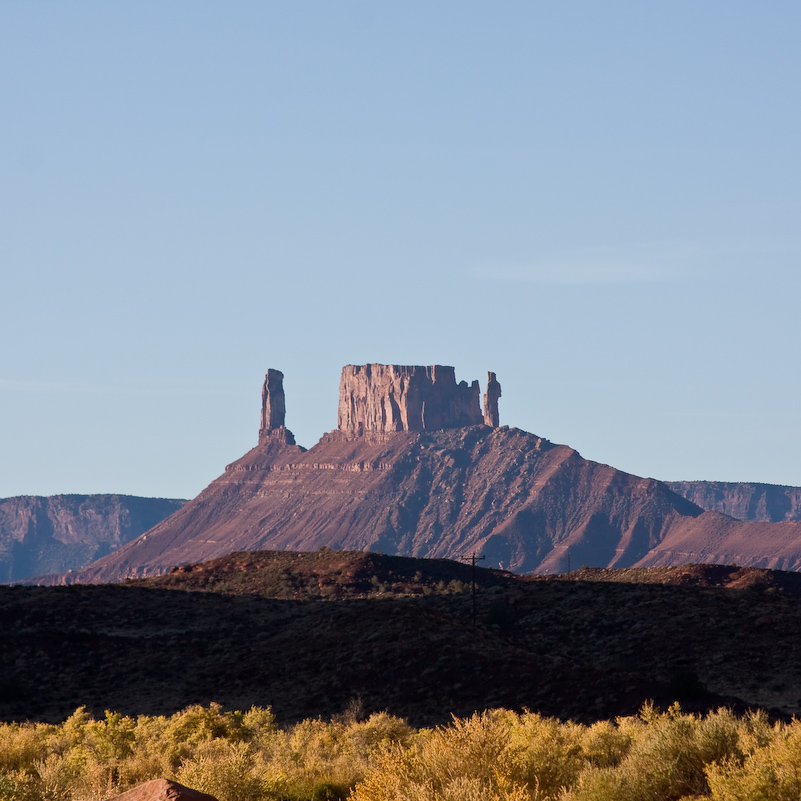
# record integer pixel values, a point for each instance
(520, 500)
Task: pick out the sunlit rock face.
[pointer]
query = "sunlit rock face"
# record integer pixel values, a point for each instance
(491, 396)
(386, 398)
(273, 410)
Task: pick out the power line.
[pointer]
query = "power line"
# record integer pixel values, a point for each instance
(473, 559)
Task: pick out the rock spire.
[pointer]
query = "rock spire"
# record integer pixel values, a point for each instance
(491, 417)
(387, 398)
(273, 410)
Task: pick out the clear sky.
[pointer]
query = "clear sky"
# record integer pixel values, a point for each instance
(600, 201)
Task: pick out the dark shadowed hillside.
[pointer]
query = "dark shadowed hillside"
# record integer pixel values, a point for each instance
(326, 575)
(309, 633)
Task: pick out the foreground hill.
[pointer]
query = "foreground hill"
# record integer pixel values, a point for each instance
(64, 532)
(312, 634)
(413, 470)
(341, 575)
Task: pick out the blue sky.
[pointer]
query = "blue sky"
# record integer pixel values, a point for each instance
(598, 201)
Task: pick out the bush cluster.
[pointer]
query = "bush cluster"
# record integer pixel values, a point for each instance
(496, 755)
(235, 756)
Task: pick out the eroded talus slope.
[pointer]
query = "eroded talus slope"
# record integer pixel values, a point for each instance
(714, 538)
(521, 501)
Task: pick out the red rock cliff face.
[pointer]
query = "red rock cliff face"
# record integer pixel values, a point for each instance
(523, 502)
(387, 398)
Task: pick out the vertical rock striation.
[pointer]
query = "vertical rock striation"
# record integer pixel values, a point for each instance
(385, 398)
(491, 416)
(273, 410)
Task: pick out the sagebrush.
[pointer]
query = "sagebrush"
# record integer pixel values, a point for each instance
(497, 755)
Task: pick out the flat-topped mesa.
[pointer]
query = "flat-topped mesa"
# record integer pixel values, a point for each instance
(273, 410)
(385, 398)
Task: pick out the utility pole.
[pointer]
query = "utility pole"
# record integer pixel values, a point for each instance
(473, 559)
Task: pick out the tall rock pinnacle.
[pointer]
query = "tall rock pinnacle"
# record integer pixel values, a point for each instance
(273, 410)
(491, 417)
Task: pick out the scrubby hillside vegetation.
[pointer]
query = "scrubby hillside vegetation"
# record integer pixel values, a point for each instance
(495, 755)
(327, 575)
(338, 575)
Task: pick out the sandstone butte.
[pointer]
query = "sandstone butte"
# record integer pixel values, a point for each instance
(416, 468)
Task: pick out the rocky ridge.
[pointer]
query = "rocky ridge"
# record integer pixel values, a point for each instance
(55, 534)
(765, 503)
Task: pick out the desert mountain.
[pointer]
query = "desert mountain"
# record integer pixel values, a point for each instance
(64, 532)
(416, 468)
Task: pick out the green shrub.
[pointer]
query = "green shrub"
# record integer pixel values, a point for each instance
(21, 746)
(325, 760)
(19, 786)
